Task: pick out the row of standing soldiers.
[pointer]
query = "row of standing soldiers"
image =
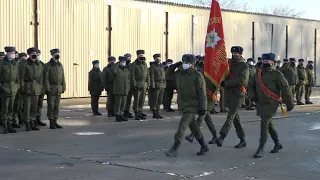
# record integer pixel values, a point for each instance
(301, 79)
(24, 81)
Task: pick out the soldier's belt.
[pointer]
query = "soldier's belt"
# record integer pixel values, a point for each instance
(33, 82)
(55, 83)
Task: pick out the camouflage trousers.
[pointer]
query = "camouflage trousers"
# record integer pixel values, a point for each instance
(119, 104)
(267, 127)
(188, 120)
(7, 103)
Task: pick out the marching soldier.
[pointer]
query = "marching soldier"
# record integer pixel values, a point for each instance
(192, 99)
(170, 86)
(139, 75)
(55, 85)
(200, 64)
(2, 55)
(269, 81)
(278, 65)
(41, 97)
(252, 72)
(9, 84)
(31, 84)
(259, 63)
(234, 86)
(302, 78)
(95, 87)
(121, 87)
(310, 82)
(18, 102)
(108, 85)
(130, 94)
(157, 85)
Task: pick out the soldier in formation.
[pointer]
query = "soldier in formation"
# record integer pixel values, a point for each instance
(252, 72)
(302, 79)
(235, 87)
(269, 81)
(310, 81)
(95, 87)
(192, 99)
(170, 87)
(41, 96)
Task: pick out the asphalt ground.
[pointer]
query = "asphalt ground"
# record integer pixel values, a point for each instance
(98, 148)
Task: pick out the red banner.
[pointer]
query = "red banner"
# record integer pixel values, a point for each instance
(215, 61)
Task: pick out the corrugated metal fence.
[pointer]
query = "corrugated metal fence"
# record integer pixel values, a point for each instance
(86, 30)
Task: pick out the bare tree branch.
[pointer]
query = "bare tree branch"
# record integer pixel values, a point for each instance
(226, 4)
(282, 11)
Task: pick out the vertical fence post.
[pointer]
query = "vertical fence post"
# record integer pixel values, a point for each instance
(109, 29)
(35, 24)
(166, 33)
(192, 33)
(253, 39)
(287, 39)
(272, 38)
(315, 54)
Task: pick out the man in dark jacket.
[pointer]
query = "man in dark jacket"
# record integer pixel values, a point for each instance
(127, 112)
(107, 80)
(95, 87)
(252, 72)
(302, 80)
(192, 96)
(170, 87)
(310, 81)
(235, 87)
(269, 81)
(41, 96)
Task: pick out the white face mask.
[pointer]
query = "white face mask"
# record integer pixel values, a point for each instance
(38, 57)
(96, 65)
(169, 64)
(123, 63)
(250, 63)
(185, 66)
(11, 56)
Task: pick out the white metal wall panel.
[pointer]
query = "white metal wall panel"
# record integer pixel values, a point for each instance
(242, 37)
(56, 30)
(179, 35)
(263, 36)
(295, 41)
(307, 43)
(15, 27)
(151, 35)
(279, 40)
(229, 35)
(318, 59)
(125, 30)
(200, 24)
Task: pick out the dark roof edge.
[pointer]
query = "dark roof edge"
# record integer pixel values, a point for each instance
(225, 10)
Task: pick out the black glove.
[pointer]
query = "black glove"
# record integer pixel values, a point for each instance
(47, 92)
(222, 83)
(202, 112)
(134, 88)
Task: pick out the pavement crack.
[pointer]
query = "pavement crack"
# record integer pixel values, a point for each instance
(97, 162)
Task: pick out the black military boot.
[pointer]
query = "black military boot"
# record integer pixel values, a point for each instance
(277, 147)
(98, 113)
(169, 109)
(137, 116)
(241, 144)
(128, 114)
(173, 151)
(10, 128)
(20, 120)
(15, 125)
(190, 138)
(309, 102)
(124, 118)
(219, 141)
(300, 103)
(33, 127)
(39, 122)
(118, 118)
(56, 124)
(159, 114)
(142, 115)
(52, 126)
(213, 140)
(213, 111)
(204, 147)
(154, 112)
(259, 152)
(5, 128)
(110, 113)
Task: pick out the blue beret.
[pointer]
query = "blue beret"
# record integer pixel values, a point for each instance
(122, 58)
(237, 49)
(292, 59)
(111, 58)
(269, 56)
(31, 50)
(54, 51)
(140, 52)
(95, 62)
(189, 58)
(301, 60)
(169, 61)
(127, 55)
(156, 55)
